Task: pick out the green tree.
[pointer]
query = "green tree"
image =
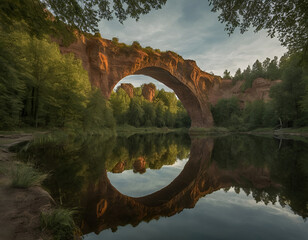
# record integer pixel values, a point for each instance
(226, 112)
(273, 71)
(120, 104)
(287, 96)
(149, 113)
(12, 87)
(98, 114)
(237, 76)
(135, 113)
(285, 19)
(227, 75)
(257, 70)
(254, 114)
(84, 14)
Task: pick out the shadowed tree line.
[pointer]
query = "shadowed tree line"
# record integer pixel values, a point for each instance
(40, 87)
(288, 106)
(286, 162)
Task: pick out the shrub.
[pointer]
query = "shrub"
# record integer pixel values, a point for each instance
(115, 40)
(136, 45)
(60, 222)
(24, 176)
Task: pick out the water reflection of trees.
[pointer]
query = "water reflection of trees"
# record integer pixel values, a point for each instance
(286, 164)
(75, 162)
(260, 167)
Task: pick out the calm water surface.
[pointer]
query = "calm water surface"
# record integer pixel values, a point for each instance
(173, 187)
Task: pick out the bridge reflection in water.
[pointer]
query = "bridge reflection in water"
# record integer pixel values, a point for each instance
(271, 171)
(107, 208)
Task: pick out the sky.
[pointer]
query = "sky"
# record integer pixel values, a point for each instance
(189, 28)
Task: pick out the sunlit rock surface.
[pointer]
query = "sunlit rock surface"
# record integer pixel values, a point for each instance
(107, 62)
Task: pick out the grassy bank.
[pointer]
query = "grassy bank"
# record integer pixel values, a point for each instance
(23, 180)
(127, 130)
(208, 131)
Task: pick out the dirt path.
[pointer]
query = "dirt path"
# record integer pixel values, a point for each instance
(20, 209)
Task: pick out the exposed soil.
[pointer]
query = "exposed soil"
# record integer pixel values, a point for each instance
(20, 208)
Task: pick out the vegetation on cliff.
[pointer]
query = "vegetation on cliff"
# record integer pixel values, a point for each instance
(288, 105)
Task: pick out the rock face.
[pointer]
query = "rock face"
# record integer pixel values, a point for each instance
(148, 91)
(128, 88)
(225, 89)
(108, 62)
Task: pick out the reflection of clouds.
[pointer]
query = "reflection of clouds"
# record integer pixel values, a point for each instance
(220, 198)
(219, 215)
(137, 185)
(178, 164)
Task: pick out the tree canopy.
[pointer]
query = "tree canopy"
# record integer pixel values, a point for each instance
(83, 14)
(286, 19)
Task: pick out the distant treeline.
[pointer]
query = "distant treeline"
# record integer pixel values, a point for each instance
(289, 99)
(269, 69)
(165, 110)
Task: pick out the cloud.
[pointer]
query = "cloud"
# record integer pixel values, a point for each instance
(193, 31)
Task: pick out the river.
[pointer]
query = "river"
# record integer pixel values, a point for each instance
(169, 186)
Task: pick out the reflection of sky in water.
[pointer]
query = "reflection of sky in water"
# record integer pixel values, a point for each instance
(219, 215)
(137, 185)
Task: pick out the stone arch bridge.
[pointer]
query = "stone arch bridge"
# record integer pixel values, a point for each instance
(107, 62)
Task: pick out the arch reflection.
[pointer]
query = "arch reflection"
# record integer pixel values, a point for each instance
(200, 176)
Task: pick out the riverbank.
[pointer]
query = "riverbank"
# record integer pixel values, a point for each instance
(20, 207)
(127, 130)
(280, 133)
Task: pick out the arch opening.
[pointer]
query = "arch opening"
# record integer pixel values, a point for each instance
(196, 108)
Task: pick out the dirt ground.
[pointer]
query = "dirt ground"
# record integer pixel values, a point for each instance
(20, 209)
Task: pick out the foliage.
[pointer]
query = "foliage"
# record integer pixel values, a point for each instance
(277, 156)
(288, 106)
(226, 111)
(165, 110)
(43, 88)
(83, 14)
(60, 222)
(285, 19)
(24, 175)
(227, 75)
(77, 161)
(288, 96)
(98, 113)
(12, 88)
(268, 69)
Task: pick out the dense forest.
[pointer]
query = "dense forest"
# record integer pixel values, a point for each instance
(288, 106)
(165, 110)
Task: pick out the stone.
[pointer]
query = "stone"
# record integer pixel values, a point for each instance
(128, 88)
(108, 62)
(148, 91)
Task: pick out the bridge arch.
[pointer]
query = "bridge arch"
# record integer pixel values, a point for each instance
(183, 92)
(108, 62)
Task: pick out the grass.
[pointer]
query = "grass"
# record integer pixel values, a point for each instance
(130, 130)
(208, 131)
(24, 176)
(60, 223)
